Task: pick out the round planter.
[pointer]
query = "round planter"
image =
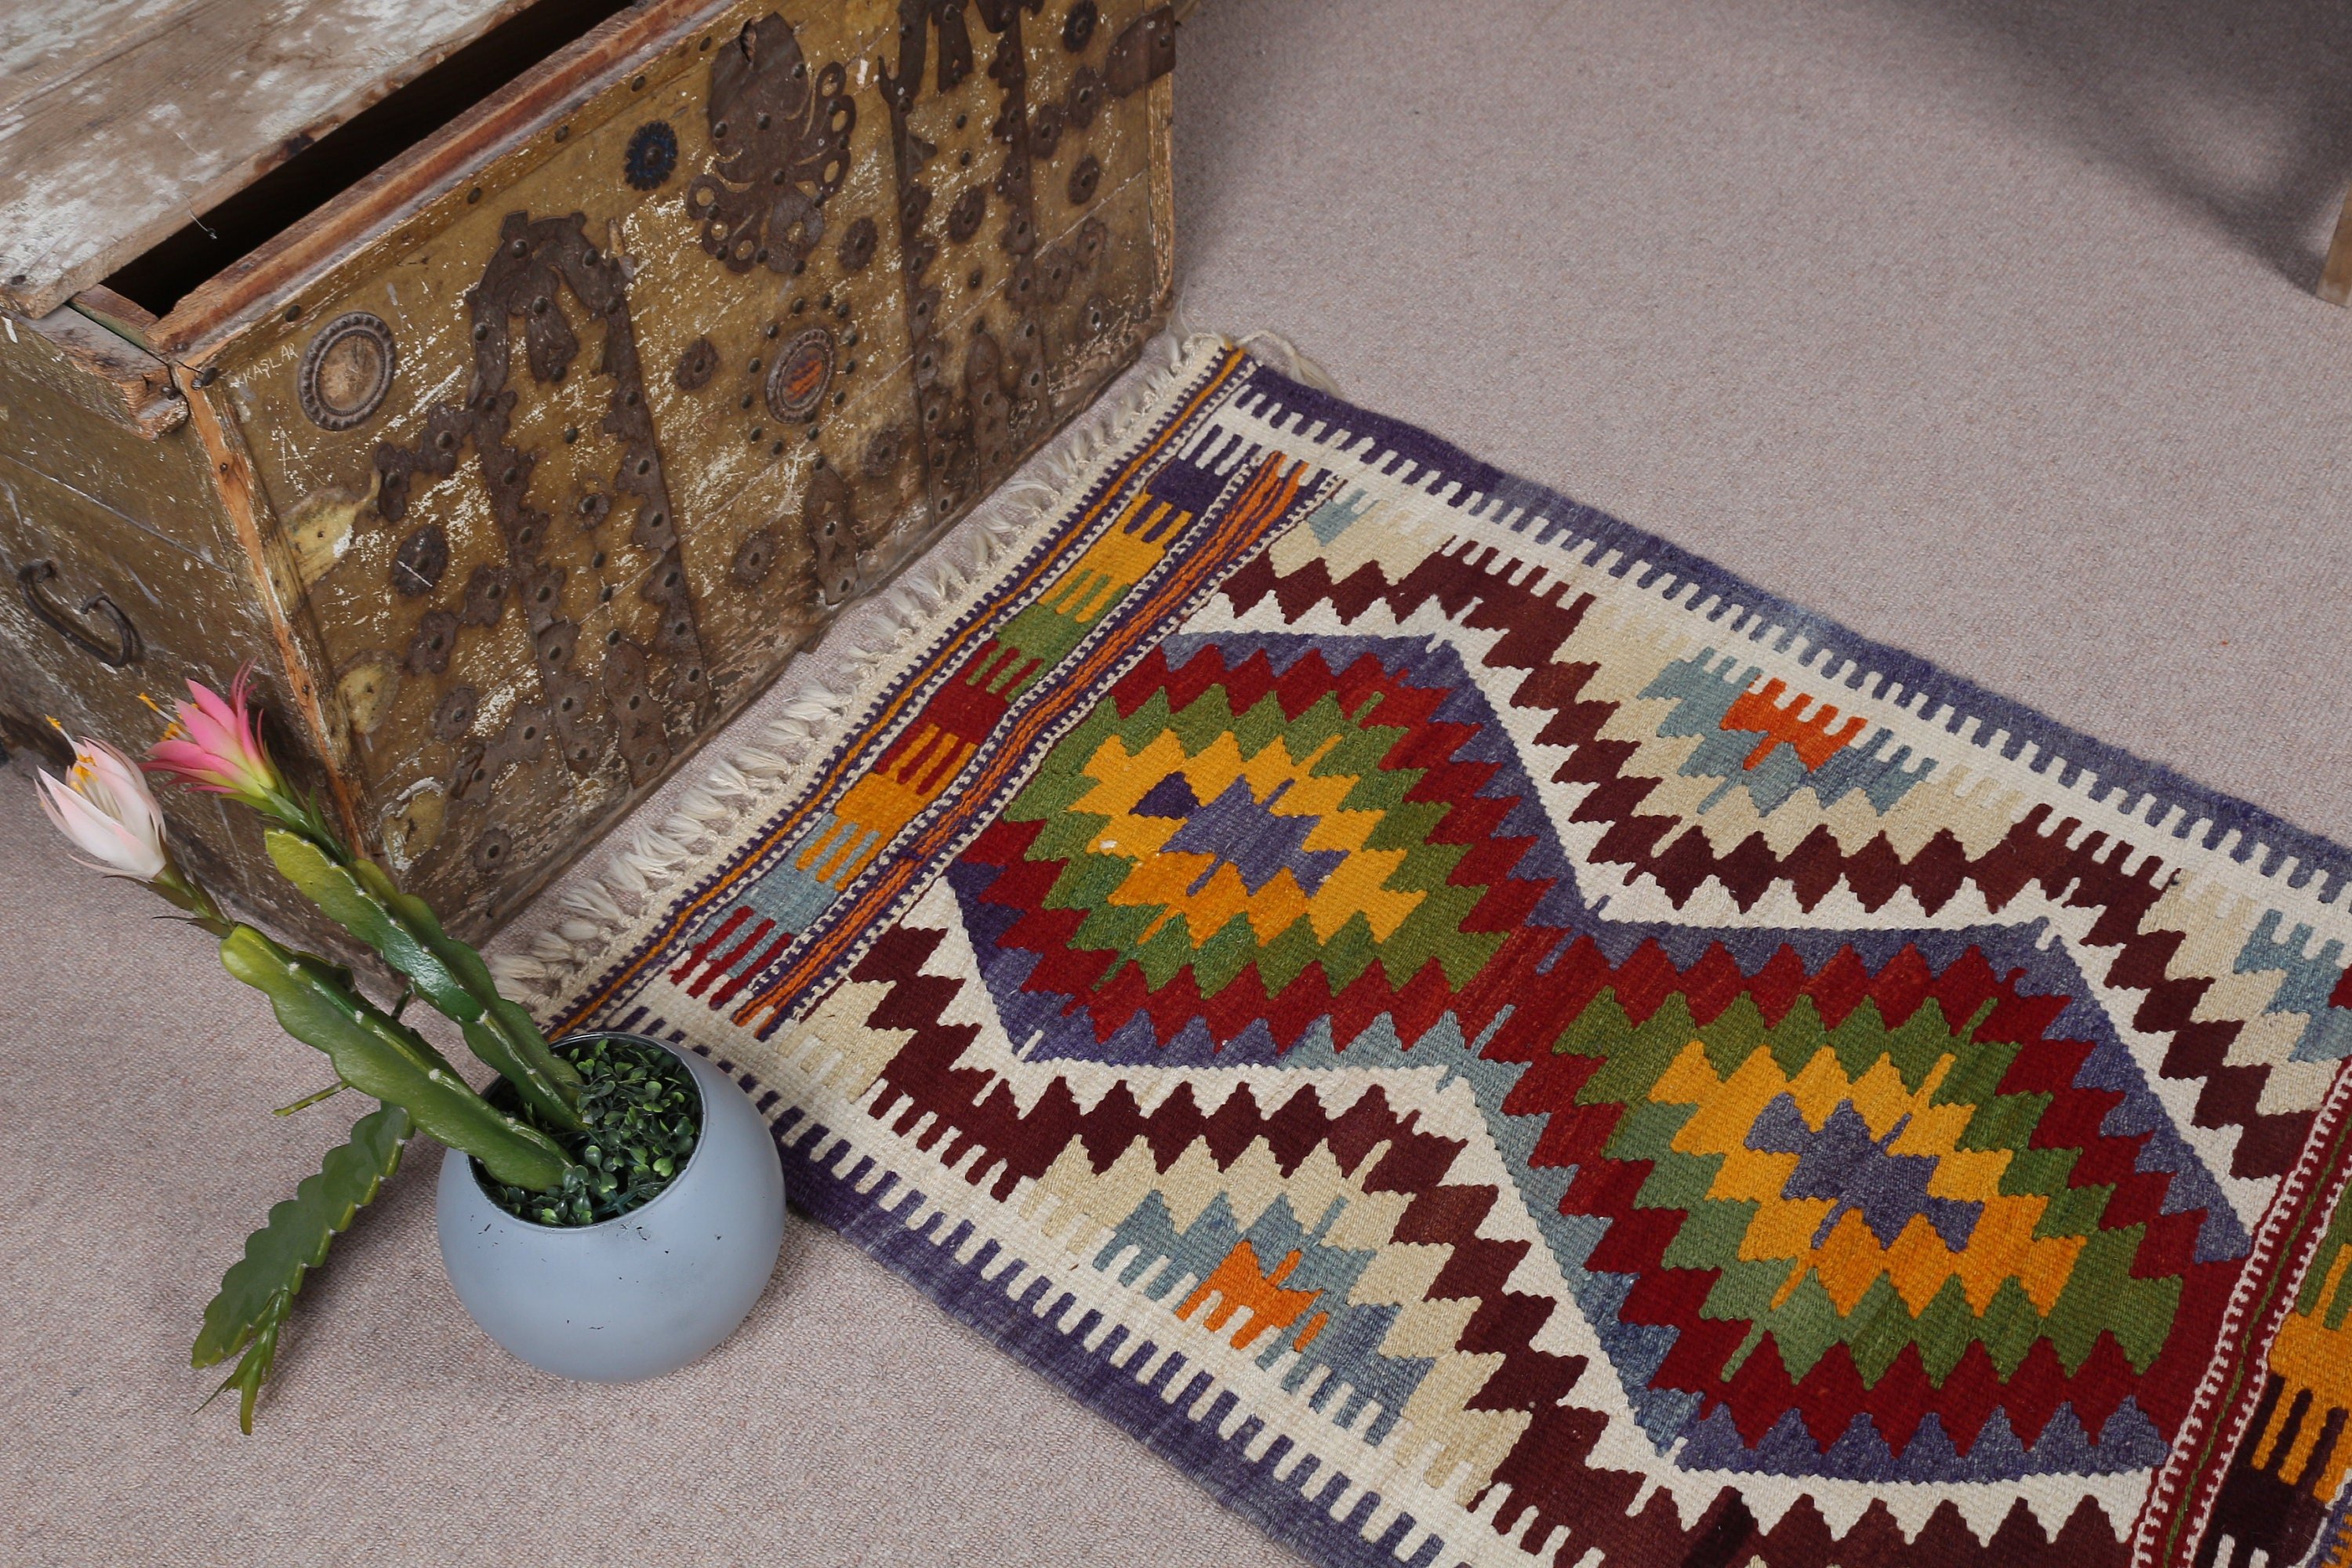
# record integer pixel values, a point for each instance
(639, 1295)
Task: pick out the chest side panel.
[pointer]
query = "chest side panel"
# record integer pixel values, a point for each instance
(58, 420)
(119, 579)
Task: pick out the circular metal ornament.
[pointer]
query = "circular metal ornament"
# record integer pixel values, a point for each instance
(754, 557)
(965, 217)
(696, 366)
(454, 714)
(486, 596)
(429, 650)
(346, 370)
(858, 245)
(1084, 97)
(491, 849)
(1078, 27)
(1044, 130)
(652, 155)
(883, 450)
(797, 381)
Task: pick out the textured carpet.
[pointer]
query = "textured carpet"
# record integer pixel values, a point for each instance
(1981, 326)
(1488, 1039)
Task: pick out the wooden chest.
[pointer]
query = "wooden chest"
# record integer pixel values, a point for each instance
(522, 384)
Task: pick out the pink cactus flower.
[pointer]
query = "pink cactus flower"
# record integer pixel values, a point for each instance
(106, 809)
(216, 745)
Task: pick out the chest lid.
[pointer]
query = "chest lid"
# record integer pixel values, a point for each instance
(125, 122)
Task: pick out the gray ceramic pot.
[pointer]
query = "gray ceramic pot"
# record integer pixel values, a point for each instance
(636, 1296)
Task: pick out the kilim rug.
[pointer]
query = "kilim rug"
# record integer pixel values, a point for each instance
(1486, 1039)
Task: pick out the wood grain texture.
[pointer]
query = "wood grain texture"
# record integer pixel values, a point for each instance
(119, 123)
(274, 582)
(150, 401)
(117, 512)
(59, 419)
(1163, 185)
(126, 319)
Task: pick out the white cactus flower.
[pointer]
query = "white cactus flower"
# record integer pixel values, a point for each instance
(104, 806)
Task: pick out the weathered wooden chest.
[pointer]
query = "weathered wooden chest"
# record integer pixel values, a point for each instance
(522, 385)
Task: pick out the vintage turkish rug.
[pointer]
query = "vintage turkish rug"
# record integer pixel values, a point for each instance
(1488, 1041)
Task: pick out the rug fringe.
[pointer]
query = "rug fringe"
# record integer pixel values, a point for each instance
(1284, 356)
(590, 918)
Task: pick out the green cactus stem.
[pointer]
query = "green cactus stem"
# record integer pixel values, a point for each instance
(258, 1290)
(377, 1055)
(448, 974)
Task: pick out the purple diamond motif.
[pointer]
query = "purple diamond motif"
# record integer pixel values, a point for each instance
(1237, 829)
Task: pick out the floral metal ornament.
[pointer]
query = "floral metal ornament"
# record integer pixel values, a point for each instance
(781, 134)
(652, 156)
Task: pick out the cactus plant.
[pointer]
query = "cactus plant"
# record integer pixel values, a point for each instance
(258, 1289)
(357, 895)
(378, 1055)
(542, 1146)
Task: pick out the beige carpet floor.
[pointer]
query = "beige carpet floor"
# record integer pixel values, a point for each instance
(1984, 327)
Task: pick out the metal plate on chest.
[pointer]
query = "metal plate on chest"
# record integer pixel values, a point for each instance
(346, 370)
(797, 382)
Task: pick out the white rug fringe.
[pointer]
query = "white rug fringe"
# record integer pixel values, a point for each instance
(590, 918)
(1282, 355)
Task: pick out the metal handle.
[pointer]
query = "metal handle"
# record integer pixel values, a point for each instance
(126, 647)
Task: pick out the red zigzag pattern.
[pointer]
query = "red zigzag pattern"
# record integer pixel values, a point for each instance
(1472, 589)
(1552, 1486)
